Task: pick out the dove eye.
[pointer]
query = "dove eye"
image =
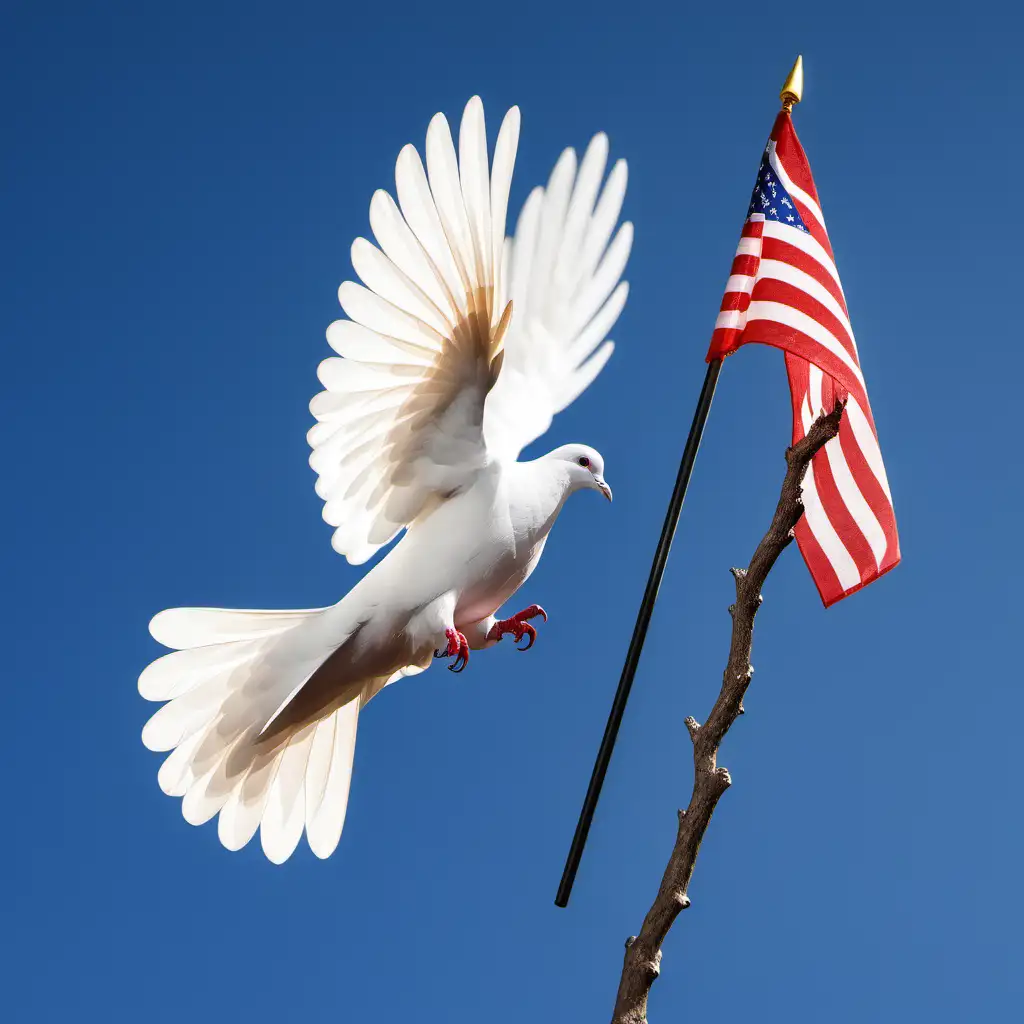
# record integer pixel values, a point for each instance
(583, 461)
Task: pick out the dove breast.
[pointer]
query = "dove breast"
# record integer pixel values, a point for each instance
(480, 546)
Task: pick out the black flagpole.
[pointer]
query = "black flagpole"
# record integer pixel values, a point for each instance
(643, 620)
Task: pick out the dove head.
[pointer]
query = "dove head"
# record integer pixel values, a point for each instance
(585, 468)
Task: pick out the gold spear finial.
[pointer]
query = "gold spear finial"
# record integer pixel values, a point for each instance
(793, 91)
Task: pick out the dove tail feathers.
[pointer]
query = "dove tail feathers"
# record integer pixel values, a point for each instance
(230, 675)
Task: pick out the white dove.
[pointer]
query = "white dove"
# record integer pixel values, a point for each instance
(437, 387)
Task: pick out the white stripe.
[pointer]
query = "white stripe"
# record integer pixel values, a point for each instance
(812, 403)
(856, 505)
(790, 317)
(749, 247)
(867, 443)
(793, 189)
(799, 279)
(807, 244)
(730, 318)
(743, 283)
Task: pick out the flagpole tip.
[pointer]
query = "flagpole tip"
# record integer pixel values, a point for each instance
(793, 91)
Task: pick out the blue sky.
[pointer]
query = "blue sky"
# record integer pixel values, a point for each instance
(181, 185)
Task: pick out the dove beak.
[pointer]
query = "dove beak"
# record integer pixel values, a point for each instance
(603, 487)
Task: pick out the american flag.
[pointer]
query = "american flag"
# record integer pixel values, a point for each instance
(784, 290)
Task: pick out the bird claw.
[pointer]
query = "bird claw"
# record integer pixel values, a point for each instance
(530, 632)
(458, 648)
(518, 626)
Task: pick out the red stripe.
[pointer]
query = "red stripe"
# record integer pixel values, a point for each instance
(792, 155)
(776, 249)
(735, 300)
(752, 228)
(831, 392)
(773, 290)
(814, 227)
(745, 265)
(798, 371)
(771, 332)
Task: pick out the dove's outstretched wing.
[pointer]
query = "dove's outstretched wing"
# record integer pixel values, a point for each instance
(563, 278)
(400, 424)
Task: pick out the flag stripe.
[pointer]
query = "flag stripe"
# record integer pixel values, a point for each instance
(785, 291)
(730, 319)
(744, 266)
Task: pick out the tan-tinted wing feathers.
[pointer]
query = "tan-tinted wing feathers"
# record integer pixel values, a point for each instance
(400, 424)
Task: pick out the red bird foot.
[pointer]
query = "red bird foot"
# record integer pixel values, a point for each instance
(458, 648)
(518, 626)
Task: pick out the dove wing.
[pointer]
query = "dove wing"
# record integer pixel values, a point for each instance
(564, 280)
(400, 422)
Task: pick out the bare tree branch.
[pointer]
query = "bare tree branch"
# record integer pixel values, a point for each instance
(642, 961)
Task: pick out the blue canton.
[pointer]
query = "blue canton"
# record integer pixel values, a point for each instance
(771, 198)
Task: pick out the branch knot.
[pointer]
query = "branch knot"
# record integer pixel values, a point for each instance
(680, 897)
